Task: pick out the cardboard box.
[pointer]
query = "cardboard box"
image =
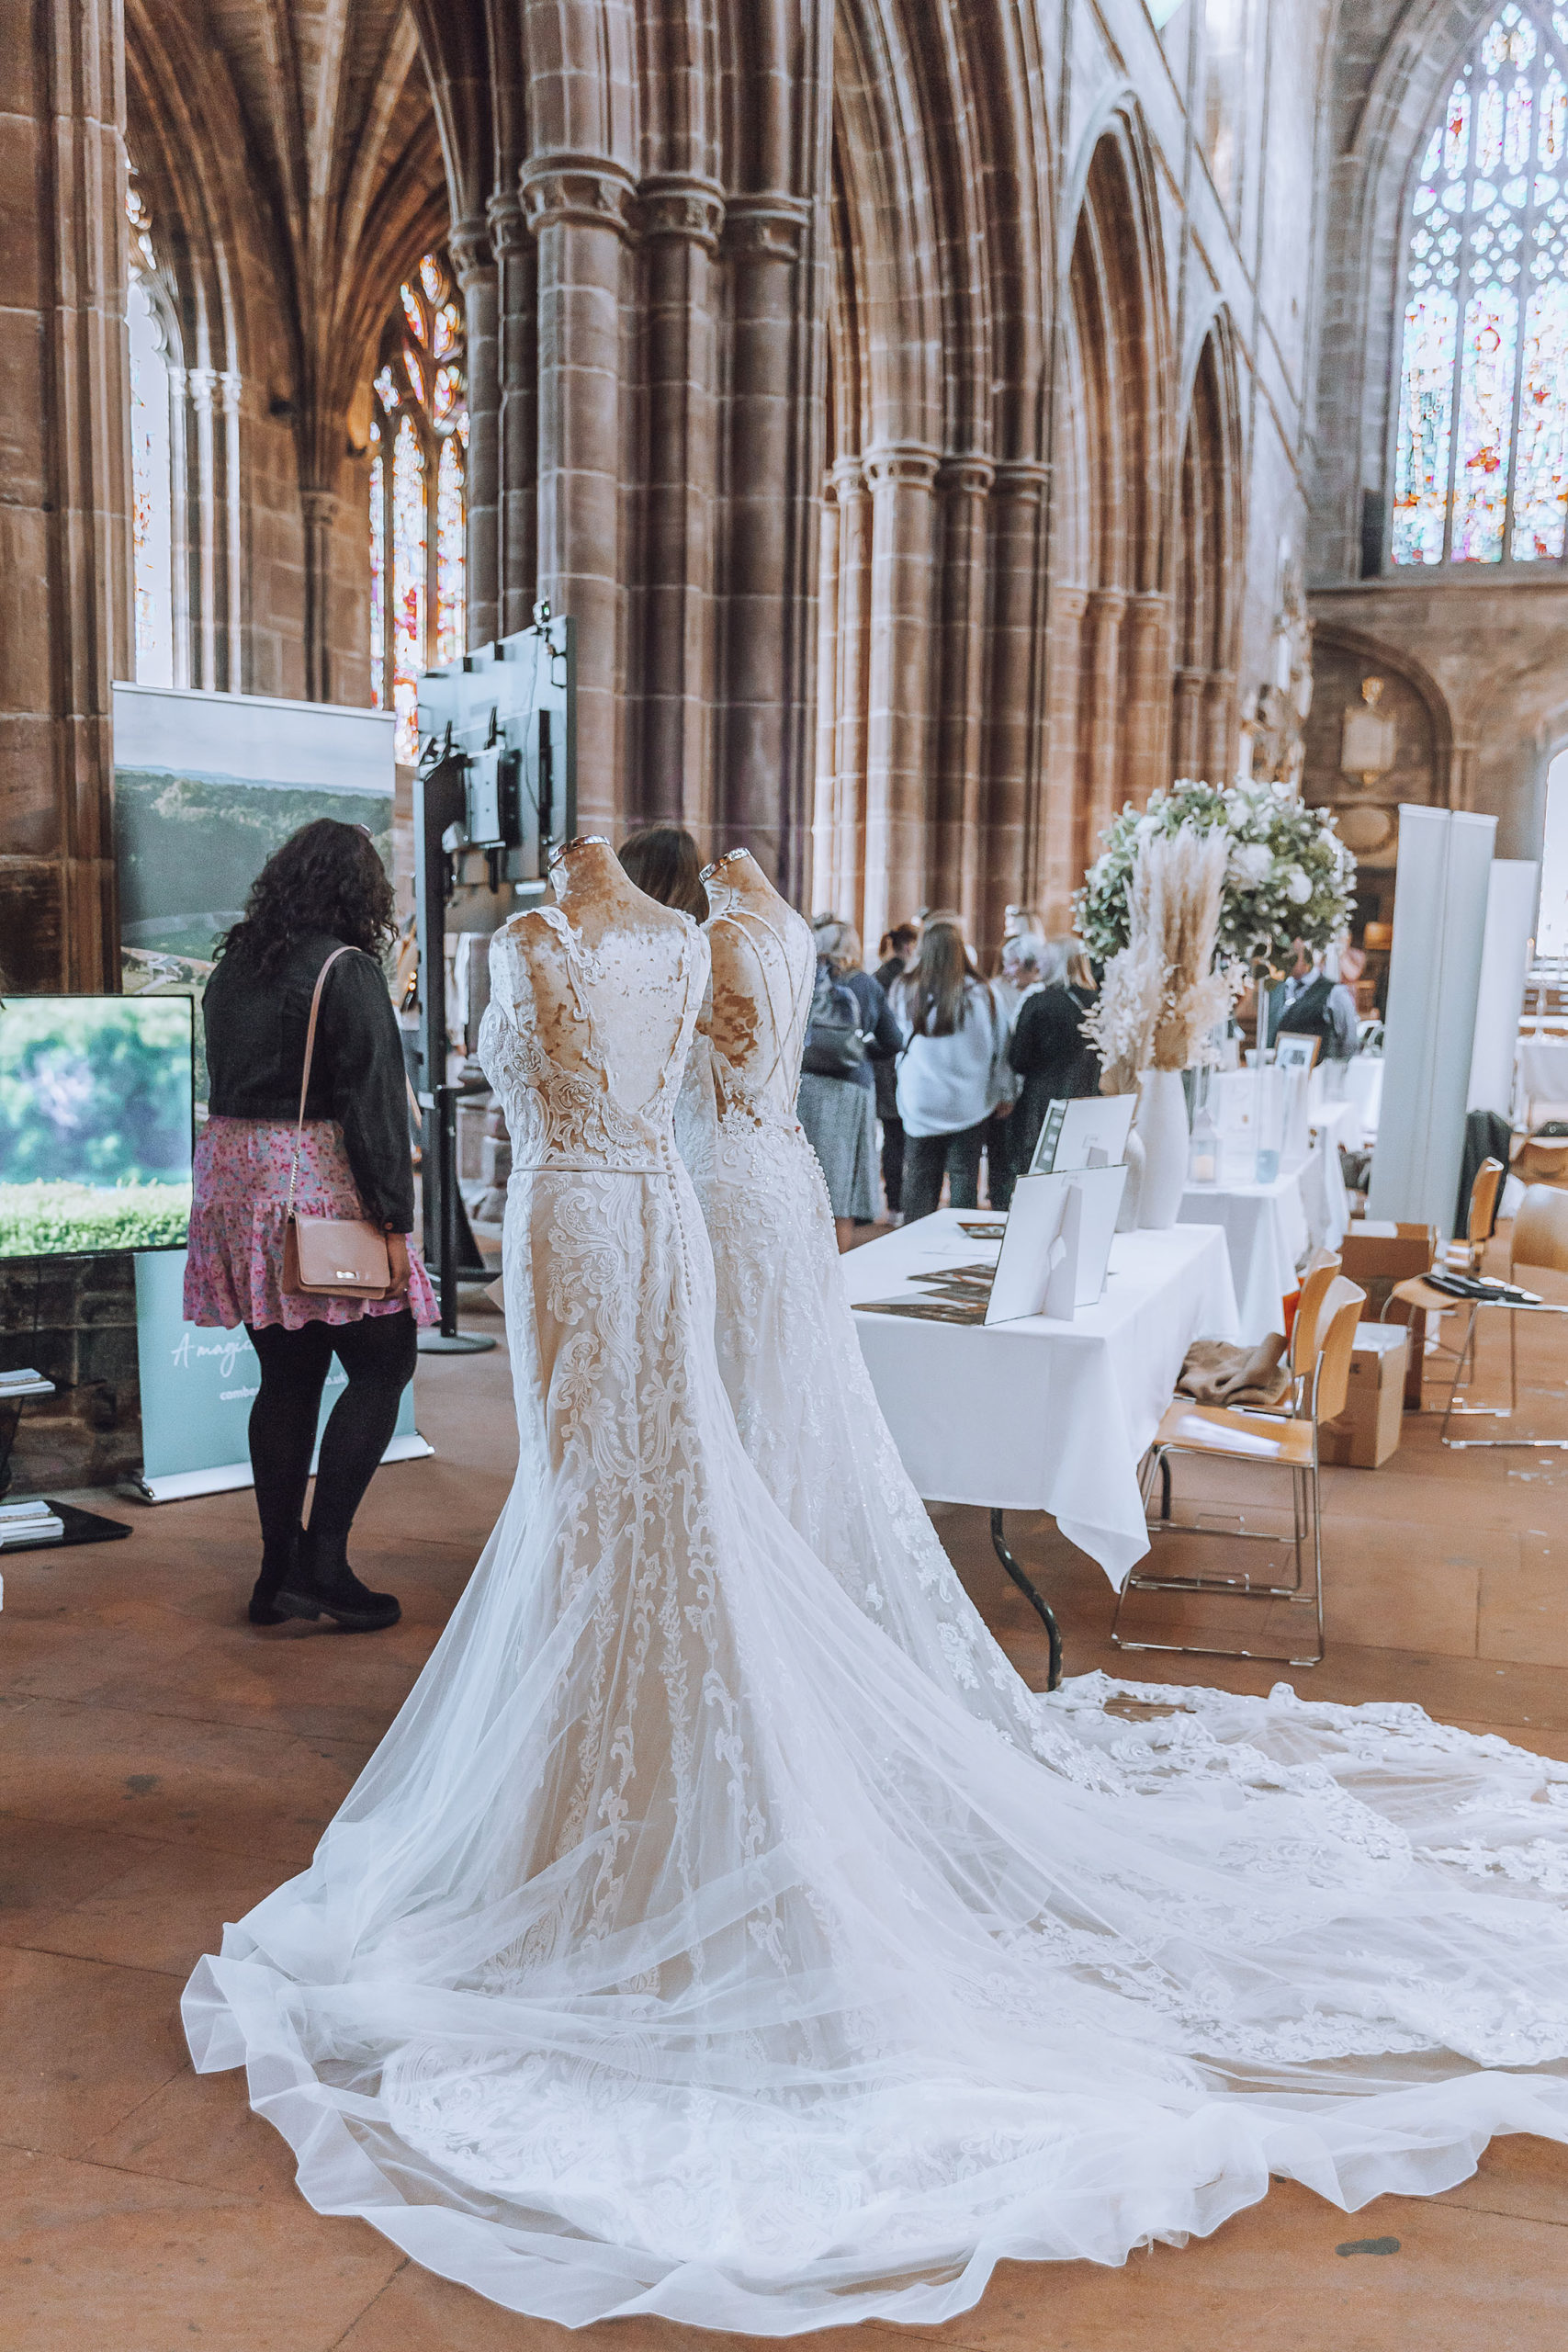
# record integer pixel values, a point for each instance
(1377, 1254)
(1368, 1431)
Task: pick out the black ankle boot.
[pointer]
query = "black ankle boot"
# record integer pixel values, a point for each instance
(275, 1571)
(336, 1592)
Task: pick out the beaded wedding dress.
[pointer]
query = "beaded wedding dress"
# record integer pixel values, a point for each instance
(684, 1950)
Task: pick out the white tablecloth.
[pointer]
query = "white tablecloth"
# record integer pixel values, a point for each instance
(1543, 1072)
(1042, 1415)
(1268, 1229)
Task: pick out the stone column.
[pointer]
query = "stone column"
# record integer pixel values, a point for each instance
(1187, 748)
(202, 384)
(852, 682)
(578, 208)
(767, 623)
(320, 509)
(819, 886)
(517, 424)
(1060, 863)
(1107, 789)
(66, 567)
(681, 221)
(477, 279)
(1219, 726)
(230, 391)
(899, 697)
(964, 485)
(1147, 667)
(1012, 812)
(182, 553)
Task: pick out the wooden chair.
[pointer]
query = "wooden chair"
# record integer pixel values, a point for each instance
(1287, 1442)
(1465, 1255)
(1302, 1358)
(1468, 1256)
(1539, 1241)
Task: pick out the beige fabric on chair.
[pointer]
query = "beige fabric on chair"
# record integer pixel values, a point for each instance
(1286, 1441)
(1217, 1372)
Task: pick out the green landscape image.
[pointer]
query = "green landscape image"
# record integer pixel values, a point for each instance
(188, 847)
(96, 1123)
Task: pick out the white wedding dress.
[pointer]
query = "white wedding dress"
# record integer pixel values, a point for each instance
(684, 1950)
(808, 1416)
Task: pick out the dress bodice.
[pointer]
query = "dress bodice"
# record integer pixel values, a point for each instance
(757, 1016)
(619, 1016)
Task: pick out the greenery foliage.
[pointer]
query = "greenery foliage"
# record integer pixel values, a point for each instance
(55, 1219)
(95, 1123)
(1288, 875)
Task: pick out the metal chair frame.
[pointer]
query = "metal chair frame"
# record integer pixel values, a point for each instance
(1306, 1516)
(1453, 1410)
(1465, 1256)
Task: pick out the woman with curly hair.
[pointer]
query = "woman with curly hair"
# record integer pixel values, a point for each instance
(324, 890)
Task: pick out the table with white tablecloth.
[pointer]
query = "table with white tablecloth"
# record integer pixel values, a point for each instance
(1270, 1228)
(1042, 1414)
(1542, 1067)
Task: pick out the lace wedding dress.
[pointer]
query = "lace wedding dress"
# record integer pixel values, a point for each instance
(684, 1950)
(808, 1416)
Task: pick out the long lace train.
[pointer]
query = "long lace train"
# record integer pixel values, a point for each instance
(685, 1949)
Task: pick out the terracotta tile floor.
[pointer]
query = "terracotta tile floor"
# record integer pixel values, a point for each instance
(161, 1766)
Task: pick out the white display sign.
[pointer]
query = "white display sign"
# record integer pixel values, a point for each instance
(1439, 925)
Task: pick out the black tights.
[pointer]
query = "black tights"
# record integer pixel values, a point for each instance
(379, 1353)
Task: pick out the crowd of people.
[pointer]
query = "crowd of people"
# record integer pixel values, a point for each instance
(957, 1068)
(953, 1067)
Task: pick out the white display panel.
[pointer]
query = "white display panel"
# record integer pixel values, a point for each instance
(1505, 967)
(1439, 924)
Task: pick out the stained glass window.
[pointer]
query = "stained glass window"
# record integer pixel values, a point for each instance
(418, 509)
(378, 572)
(1481, 442)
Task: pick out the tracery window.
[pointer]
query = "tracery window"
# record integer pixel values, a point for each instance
(151, 461)
(419, 440)
(1481, 443)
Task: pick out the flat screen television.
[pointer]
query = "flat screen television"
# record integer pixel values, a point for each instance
(96, 1124)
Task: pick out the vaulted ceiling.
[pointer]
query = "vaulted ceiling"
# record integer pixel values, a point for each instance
(289, 150)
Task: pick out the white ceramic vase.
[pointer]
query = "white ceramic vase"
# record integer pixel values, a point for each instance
(1127, 1214)
(1162, 1123)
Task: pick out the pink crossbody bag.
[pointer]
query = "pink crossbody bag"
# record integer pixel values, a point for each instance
(330, 1257)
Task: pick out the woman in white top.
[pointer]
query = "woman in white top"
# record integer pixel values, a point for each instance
(952, 1074)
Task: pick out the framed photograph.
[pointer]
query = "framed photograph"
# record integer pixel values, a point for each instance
(1090, 1132)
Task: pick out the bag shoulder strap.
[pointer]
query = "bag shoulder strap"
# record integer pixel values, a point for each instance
(310, 1055)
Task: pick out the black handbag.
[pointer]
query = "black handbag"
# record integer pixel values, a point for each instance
(835, 1043)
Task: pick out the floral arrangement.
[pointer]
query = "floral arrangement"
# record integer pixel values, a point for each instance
(1288, 875)
(1168, 986)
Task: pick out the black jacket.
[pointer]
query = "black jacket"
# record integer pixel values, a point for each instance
(255, 1056)
(1053, 1056)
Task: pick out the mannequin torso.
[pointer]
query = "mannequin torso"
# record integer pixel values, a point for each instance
(763, 966)
(591, 975)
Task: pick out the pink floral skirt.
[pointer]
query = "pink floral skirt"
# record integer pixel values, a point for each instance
(234, 1264)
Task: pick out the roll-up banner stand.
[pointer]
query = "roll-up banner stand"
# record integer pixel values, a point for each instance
(1511, 899)
(197, 1387)
(207, 786)
(1439, 926)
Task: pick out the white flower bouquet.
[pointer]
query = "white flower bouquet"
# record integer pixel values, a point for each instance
(1288, 875)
